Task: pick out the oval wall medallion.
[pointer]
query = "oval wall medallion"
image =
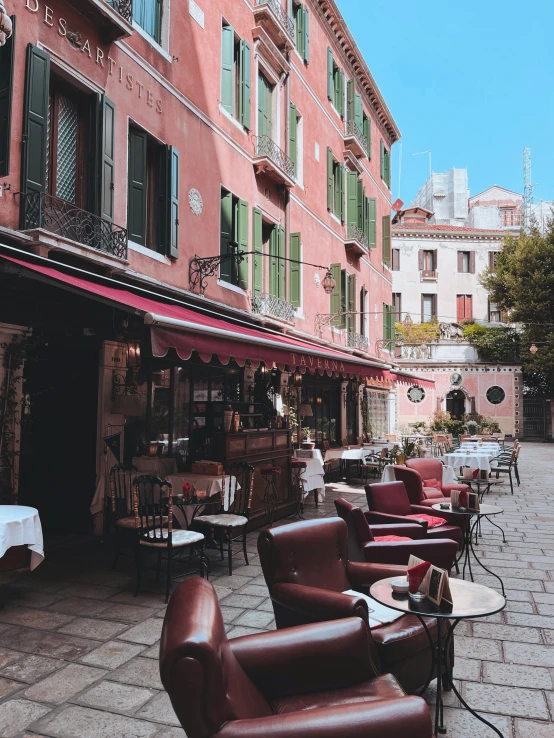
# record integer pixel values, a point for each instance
(195, 201)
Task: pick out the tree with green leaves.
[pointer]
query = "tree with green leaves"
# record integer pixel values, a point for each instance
(522, 285)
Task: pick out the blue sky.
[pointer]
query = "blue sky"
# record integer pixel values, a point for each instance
(473, 82)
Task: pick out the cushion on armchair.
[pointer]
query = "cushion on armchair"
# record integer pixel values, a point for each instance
(432, 520)
(433, 483)
(392, 538)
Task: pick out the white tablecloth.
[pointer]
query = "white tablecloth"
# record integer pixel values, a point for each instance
(448, 475)
(313, 476)
(475, 459)
(488, 446)
(304, 454)
(357, 453)
(212, 484)
(20, 526)
(160, 466)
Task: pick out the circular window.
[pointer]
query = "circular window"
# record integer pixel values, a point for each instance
(495, 395)
(416, 394)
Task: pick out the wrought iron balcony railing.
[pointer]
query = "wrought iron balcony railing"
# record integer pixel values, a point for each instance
(123, 7)
(276, 307)
(355, 340)
(356, 234)
(65, 219)
(265, 146)
(352, 129)
(281, 14)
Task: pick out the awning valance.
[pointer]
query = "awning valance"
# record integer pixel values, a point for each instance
(186, 330)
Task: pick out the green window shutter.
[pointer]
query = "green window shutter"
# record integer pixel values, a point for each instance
(344, 299)
(173, 189)
(273, 263)
(264, 106)
(330, 183)
(306, 34)
(227, 68)
(298, 13)
(352, 293)
(342, 174)
(35, 141)
(163, 186)
(366, 217)
(382, 159)
(258, 260)
(363, 293)
(386, 239)
(294, 273)
(6, 90)
(352, 198)
(292, 136)
(242, 229)
(367, 135)
(341, 93)
(360, 205)
(245, 84)
(227, 235)
(350, 92)
(330, 80)
(335, 296)
(107, 159)
(136, 198)
(358, 111)
(387, 168)
(385, 321)
(372, 222)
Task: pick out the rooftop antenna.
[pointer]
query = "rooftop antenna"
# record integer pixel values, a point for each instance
(526, 205)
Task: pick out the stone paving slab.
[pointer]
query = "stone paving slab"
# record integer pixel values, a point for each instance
(79, 653)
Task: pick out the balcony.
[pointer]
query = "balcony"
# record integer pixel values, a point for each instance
(354, 140)
(113, 18)
(62, 218)
(356, 240)
(277, 23)
(269, 159)
(429, 275)
(355, 340)
(273, 306)
(414, 352)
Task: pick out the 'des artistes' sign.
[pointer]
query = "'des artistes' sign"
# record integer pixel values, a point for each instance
(95, 54)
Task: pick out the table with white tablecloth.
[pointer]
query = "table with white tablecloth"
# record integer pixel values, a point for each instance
(479, 459)
(448, 475)
(356, 453)
(313, 475)
(20, 526)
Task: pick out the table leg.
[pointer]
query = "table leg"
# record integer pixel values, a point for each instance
(465, 552)
(448, 672)
(478, 560)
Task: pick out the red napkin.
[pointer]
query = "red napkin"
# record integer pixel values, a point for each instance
(416, 574)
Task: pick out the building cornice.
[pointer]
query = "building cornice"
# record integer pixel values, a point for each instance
(333, 17)
(447, 235)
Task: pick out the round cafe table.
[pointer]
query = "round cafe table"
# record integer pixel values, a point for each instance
(468, 530)
(482, 487)
(469, 600)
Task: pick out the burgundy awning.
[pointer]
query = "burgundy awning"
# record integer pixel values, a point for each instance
(186, 330)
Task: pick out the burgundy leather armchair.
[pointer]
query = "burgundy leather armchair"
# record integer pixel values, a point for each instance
(388, 503)
(306, 569)
(314, 681)
(366, 543)
(416, 473)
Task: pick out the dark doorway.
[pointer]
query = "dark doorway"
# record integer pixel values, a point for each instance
(456, 404)
(534, 418)
(58, 435)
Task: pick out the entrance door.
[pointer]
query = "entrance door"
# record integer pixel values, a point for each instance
(456, 404)
(534, 417)
(58, 441)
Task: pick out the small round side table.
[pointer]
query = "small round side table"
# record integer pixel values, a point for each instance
(271, 474)
(468, 530)
(469, 600)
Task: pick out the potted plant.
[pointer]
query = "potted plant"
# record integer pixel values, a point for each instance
(307, 443)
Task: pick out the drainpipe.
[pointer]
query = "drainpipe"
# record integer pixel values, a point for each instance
(5, 24)
(286, 194)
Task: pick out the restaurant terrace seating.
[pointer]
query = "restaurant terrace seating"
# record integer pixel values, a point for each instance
(429, 470)
(312, 681)
(307, 571)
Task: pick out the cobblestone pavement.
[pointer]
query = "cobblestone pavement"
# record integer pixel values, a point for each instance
(78, 653)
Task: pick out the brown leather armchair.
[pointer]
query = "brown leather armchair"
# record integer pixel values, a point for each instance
(371, 543)
(388, 503)
(306, 569)
(315, 681)
(415, 475)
